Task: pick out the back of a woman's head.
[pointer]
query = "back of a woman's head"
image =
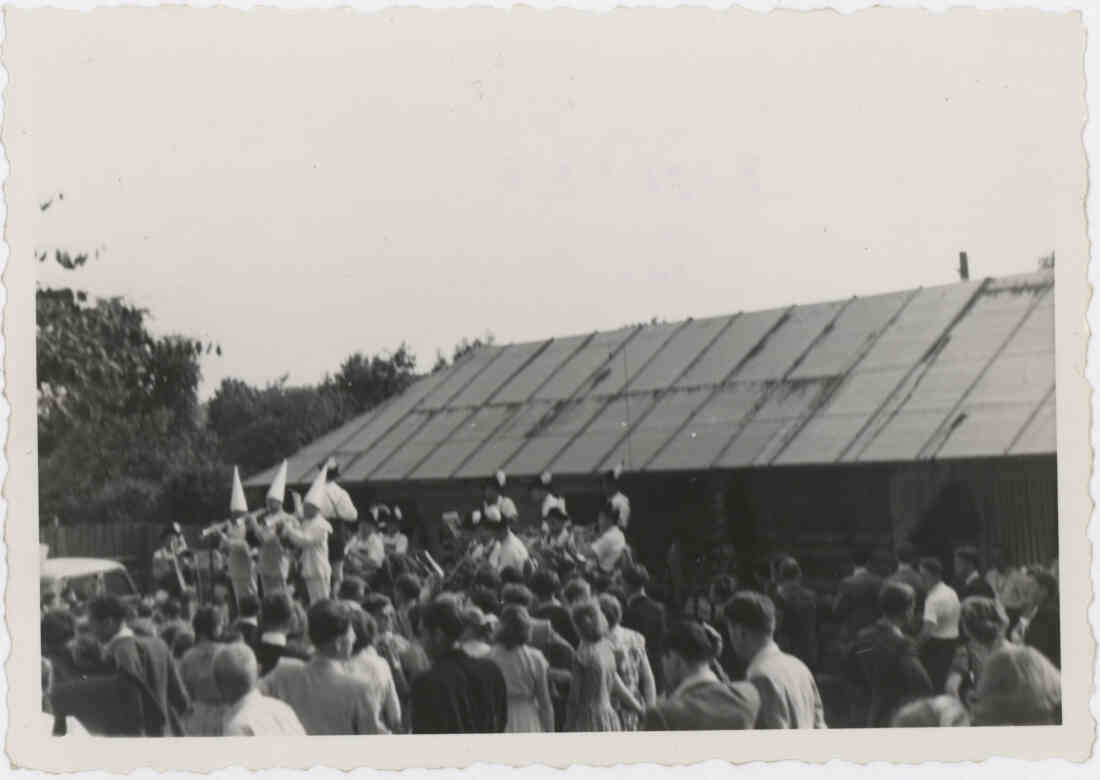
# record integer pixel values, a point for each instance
(515, 626)
(589, 621)
(577, 589)
(689, 640)
(933, 712)
(1018, 687)
(364, 627)
(612, 609)
(983, 619)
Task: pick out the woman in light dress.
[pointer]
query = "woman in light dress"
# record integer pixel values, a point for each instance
(595, 677)
(525, 673)
(631, 661)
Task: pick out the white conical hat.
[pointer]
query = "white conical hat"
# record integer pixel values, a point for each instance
(278, 485)
(236, 499)
(316, 490)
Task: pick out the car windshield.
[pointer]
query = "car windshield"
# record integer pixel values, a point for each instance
(115, 582)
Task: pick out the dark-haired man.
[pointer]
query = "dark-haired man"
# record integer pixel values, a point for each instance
(968, 575)
(272, 644)
(646, 616)
(459, 694)
(789, 698)
(888, 657)
(146, 662)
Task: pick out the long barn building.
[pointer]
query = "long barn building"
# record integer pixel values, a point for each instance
(926, 414)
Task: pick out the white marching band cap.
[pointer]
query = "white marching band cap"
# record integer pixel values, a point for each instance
(317, 489)
(236, 499)
(278, 485)
(545, 479)
(500, 478)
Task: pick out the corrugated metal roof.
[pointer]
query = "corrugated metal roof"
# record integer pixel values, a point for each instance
(961, 370)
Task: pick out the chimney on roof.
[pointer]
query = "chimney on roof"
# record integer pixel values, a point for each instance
(964, 266)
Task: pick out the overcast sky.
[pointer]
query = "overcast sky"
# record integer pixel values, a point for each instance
(299, 186)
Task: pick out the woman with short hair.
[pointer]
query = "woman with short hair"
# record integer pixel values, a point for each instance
(983, 622)
(525, 673)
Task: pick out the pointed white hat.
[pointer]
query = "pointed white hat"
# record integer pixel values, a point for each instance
(236, 499)
(278, 486)
(316, 490)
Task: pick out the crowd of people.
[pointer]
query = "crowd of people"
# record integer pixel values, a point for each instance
(536, 627)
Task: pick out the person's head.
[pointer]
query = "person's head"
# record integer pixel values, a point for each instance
(367, 526)
(612, 609)
(510, 575)
(577, 590)
(330, 630)
(273, 505)
(636, 578)
(379, 607)
(184, 641)
(686, 648)
(477, 624)
(1046, 586)
(364, 628)
(723, 588)
(88, 655)
(966, 562)
(788, 570)
(490, 489)
(931, 571)
(486, 577)
(352, 588)
(897, 600)
(58, 627)
(997, 558)
(248, 606)
(750, 621)
(106, 616)
(609, 481)
(406, 589)
(933, 712)
(515, 626)
(441, 626)
(556, 518)
(207, 624)
(545, 584)
(1018, 687)
(485, 599)
(608, 516)
(861, 556)
(276, 613)
(588, 619)
(983, 619)
(235, 671)
(907, 553)
(518, 595)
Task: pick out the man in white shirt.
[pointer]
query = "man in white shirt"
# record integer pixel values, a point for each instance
(367, 551)
(250, 713)
(611, 544)
(336, 507)
(939, 635)
(616, 497)
(508, 550)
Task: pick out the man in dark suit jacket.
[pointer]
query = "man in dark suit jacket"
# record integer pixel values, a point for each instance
(856, 601)
(646, 616)
(889, 659)
(907, 574)
(796, 605)
(247, 625)
(459, 694)
(145, 663)
(968, 574)
(271, 644)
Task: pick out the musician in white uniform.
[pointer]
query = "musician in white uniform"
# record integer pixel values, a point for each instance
(338, 509)
(544, 497)
(169, 570)
(395, 542)
(492, 496)
(507, 550)
(615, 495)
(366, 551)
(610, 546)
(312, 538)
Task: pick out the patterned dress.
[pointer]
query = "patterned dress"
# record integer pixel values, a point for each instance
(629, 647)
(589, 707)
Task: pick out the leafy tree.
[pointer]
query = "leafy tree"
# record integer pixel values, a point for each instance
(367, 381)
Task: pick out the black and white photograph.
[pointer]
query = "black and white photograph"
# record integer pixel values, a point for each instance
(486, 372)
